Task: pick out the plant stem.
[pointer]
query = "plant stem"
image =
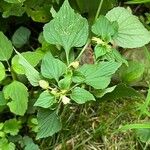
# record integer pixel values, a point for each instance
(11, 71)
(88, 42)
(67, 56)
(146, 145)
(99, 9)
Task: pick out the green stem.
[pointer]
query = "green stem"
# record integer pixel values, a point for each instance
(146, 145)
(84, 48)
(11, 71)
(9, 67)
(99, 9)
(67, 57)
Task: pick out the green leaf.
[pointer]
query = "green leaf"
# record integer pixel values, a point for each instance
(143, 108)
(78, 77)
(6, 47)
(138, 1)
(65, 83)
(99, 75)
(14, 1)
(29, 144)
(143, 134)
(31, 73)
(101, 93)
(45, 100)
(39, 13)
(131, 32)
(100, 51)
(116, 56)
(12, 9)
(2, 72)
(67, 29)
(81, 96)
(5, 145)
(3, 101)
(21, 36)
(48, 122)
(123, 91)
(1, 126)
(39, 10)
(132, 73)
(135, 126)
(104, 28)
(12, 127)
(52, 68)
(33, 58)
(19, 95)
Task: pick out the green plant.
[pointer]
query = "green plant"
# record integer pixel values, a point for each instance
(56, 77)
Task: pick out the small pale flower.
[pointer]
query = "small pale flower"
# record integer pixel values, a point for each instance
(43, 84)
(98, 40)
(75, 64)
(65, 100)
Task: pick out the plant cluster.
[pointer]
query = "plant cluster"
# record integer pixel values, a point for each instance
(36, 86)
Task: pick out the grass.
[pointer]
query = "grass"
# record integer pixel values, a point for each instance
(95, 127)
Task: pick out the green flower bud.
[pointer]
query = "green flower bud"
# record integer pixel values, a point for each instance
(43, 84)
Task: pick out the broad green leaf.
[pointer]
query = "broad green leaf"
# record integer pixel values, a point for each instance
(3, 101)
(32, 57)
(32, 122)
(18, 93)
(29, 144)
(99, 75)
(52, 68)
(31, 73)
(49, 123)
(6, 47)
(104, 28)
(12, 9)
(12, 127)
(131, 32)
(78, 77)
(5, 145)
(40, 14)
(21, 36)
(45, 100)
(101, 93)
(100, 51)
(116, 56)
(132, 73)
(2, 72)
(14, 1)
(65, 82)
(81, 96)
(38, 10)
(67, 29)
(123, 91)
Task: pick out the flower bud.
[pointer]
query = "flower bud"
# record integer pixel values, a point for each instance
(43, 84)
(75, 64)
(54, 91)
(98, 40)
(65, 100)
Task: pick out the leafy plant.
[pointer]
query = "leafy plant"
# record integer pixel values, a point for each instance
(37, 86)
